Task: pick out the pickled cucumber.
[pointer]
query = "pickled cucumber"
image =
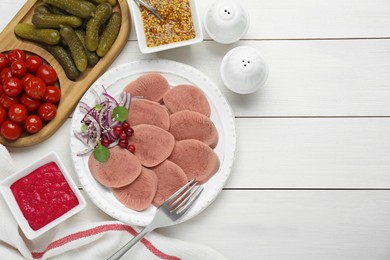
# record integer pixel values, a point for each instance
(30, 32)
(78, 8)
(103, 12)
(111, 2)
(55, 20)
(93, 58)
(63, 57)
(109, 34)
(98, 2)
(56, 10)
(75, 46)
(90, 5)
(41, 9)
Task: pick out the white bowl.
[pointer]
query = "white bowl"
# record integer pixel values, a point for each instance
(5, 189)
(226, 21)
(139, 28)
(243, 70)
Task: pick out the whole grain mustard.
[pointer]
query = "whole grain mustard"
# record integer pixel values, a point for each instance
(176, 25)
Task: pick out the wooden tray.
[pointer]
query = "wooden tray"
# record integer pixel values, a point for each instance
(71, 91)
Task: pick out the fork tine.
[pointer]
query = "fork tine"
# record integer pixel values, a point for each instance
(183, 199)
(183, 208)
(184, 194)
(174, 195)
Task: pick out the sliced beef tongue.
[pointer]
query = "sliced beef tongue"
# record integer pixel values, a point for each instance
(153, 144)
(139, 194)
(151, 86)
(121, 168)
(187, 124)
(187, 97)
(197, 159)
(170, 178)
(143, 111)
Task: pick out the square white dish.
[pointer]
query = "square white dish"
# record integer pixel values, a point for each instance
(139, 28)
(5, 190)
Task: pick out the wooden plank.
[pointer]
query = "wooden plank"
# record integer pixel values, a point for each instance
(293, 225)
(305, 19)
(312, 153)
(286, 153)
(307, 78)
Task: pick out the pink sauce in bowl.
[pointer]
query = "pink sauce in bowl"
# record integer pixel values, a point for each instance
(44, 195)
(41, 195)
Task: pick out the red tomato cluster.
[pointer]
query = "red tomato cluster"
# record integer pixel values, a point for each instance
(28, 96)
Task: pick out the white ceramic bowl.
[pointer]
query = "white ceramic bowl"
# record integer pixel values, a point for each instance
(139, 29)
(243, 70)
(5, 189)
(226, 21)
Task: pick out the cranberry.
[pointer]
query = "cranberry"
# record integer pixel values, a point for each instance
(104, 141)
(123, 143)
(131, 148)
(125, 125)
(129, 131)
(123, 135)
(117, 130)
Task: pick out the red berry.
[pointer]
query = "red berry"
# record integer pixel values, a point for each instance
(125, 125)
(118, 130)
(123, 143)
(129, 131)
(104, 141)
(131, 148)
(123, 135)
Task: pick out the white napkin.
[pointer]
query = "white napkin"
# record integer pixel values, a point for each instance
(88, 239)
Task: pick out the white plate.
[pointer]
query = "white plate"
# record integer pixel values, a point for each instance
(114, 81)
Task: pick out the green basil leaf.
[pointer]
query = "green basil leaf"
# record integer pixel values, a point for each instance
(98, 107)
(101, 153)
(120, 113)
(84, 128)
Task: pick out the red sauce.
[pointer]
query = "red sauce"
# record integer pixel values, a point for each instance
(44, 195)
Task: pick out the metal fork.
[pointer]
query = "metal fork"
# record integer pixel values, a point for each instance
(151, 9)
(167, 214)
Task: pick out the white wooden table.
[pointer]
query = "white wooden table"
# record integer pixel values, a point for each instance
(312, 174)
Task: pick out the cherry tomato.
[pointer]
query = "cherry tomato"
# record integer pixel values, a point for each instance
(35, 88)
(52, 95)
(17, 113)
(33, 124)
(5, 73)
(6, 102)
(47, 73)
(27, 77)
(12, 87)
(18, 68)
(33, 63)
(16, 54)
(47, 111)
(3, 115)
(30, 103)
(10, 130)
(4, 62)
(1, 89)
